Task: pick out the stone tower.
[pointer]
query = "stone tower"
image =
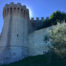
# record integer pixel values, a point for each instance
(14, 36)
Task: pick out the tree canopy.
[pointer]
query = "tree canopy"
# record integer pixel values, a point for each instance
(55, 17)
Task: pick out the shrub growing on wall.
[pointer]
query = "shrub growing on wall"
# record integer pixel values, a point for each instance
(58, 39)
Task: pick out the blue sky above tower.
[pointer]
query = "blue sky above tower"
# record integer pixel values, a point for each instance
(37, 8)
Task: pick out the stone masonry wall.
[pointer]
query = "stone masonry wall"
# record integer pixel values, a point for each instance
(37, 43)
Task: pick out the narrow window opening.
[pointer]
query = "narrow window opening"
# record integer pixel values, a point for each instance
(18, 9)
(21, 10)
(7, 9)
(17, 35)
(11, 10)
(14, 8)
(24, 12)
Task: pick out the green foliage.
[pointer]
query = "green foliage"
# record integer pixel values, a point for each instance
(52, 15)
(58, 39)
(57, 16)
(52, 20)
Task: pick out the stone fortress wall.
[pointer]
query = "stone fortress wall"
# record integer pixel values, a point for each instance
(37, 23)
(37, 18)
(19, 38)
(14, 36)
(37, 43)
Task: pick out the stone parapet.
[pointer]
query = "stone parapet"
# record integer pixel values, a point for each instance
(16, 8)
(37, 19)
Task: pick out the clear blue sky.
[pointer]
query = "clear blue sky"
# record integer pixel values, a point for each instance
(40, 8)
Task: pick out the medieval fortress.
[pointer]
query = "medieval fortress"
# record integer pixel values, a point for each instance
(19, 37)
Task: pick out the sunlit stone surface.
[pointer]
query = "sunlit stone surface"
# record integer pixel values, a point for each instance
(19, 39)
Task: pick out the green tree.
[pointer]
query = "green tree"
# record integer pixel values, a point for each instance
(57, 16)
(52, 15)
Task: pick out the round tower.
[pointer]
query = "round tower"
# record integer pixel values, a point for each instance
(14, 36)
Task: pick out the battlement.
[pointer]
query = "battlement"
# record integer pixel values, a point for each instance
(37, 19)
(15, 9)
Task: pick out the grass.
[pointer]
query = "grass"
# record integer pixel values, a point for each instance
(40, 60)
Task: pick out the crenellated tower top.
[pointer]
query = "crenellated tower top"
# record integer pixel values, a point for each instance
(37, 19)
(16, 8)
